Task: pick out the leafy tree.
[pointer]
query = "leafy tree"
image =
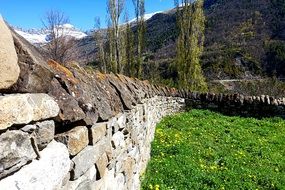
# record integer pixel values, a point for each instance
(191, 24)
(276, 58)
(128, 48)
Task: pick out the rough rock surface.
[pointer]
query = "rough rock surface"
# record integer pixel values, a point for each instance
(98, 131)
(15, 151)
(43, 132)
(24, 108)
(75, 139)
(46, 173)
(82, 95)
(9, 68)
(87, 157)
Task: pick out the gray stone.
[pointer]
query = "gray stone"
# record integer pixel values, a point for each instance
(9, 68)
(118, 140)
(16, 150)
(42, 131)
(86, 158)
(84, 185)
(121, 121)
(84, 182)
(75, 139)
(120, 181)
(102, 165)
(98, 131)
(24, 108)
(45, 174)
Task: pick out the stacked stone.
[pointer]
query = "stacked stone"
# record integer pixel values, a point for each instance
(67, 128)
(238, 104)
(20, 143)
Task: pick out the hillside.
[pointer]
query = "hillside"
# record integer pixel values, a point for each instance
(244, 40)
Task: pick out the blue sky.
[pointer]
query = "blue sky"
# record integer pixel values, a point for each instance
(28, 13)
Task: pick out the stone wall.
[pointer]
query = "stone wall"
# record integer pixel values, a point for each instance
(107, 155)
(237, 104)
(70, 128)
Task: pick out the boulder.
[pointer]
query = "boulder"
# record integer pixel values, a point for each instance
(75, 139)
(9, 68)
(16, 150)
(24, 108)
(46, 173)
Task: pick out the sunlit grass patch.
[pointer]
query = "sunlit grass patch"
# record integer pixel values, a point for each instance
(206, 150)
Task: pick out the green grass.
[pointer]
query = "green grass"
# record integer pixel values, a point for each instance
(206, 150)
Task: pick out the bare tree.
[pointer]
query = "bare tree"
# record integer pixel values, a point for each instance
(100, 43)
(115, 9)
(59, 41)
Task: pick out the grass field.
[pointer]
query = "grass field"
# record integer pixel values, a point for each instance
(206, 150)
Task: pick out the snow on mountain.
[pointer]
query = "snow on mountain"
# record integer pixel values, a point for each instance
(146, 16)
(39, 37)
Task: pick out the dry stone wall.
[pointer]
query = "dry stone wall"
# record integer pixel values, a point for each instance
(237, 104)
(70, 128)
(65, 128)
(107, 155)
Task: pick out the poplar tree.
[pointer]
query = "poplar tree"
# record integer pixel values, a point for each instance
(191, 24)
(115, 9)
(139, 6)
(128, 48)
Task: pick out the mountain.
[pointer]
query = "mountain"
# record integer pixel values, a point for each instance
(41, 36)
(244, 39)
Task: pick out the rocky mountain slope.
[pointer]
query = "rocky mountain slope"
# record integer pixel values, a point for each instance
(244, 40)
(240, 37)
(41, 36)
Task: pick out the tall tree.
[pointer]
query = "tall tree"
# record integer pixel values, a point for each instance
(191, 23)
(128, 48)
(59, 41)
(139, 6)
(115, 9)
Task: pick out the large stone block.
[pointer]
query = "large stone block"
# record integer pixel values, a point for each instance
(75, 139)
(9, 68)
(46, 173)
(118, 140)
(24, 108)
(43, 132)
(84, 182)
(87, 158)
(98, 132)
(15, 151)
(102, 165)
